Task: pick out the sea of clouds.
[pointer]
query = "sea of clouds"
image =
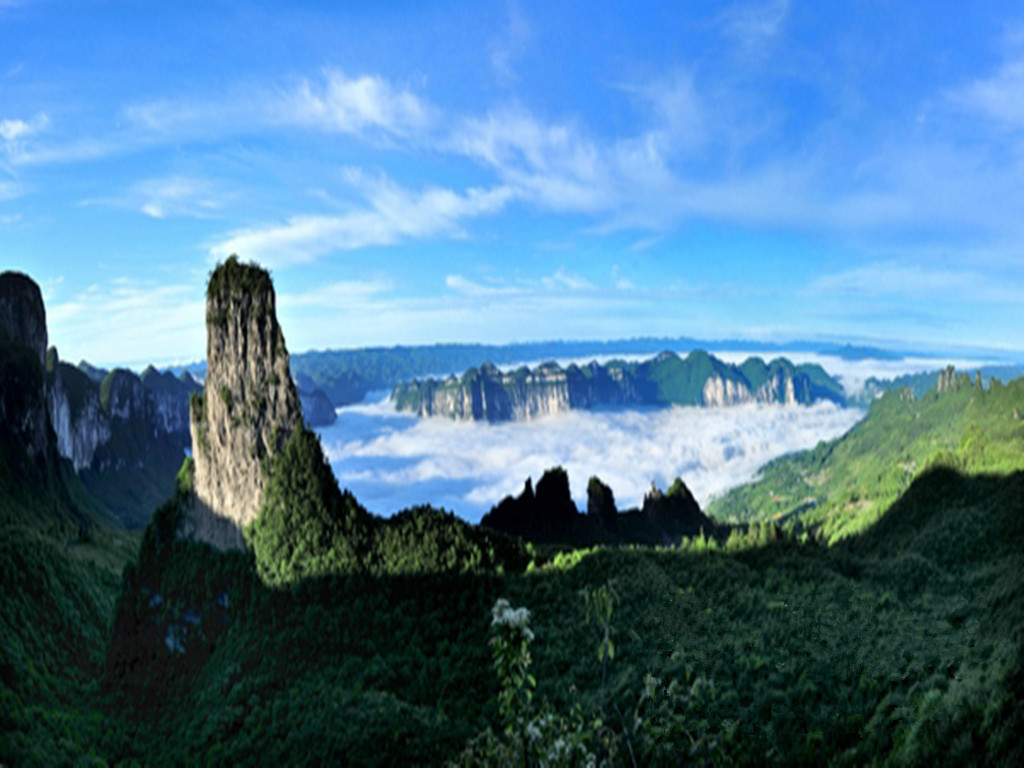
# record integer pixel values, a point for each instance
(393, 460)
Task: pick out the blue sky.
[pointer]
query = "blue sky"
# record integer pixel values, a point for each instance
(473, 171)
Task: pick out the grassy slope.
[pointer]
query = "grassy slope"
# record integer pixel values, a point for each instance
(847, 483)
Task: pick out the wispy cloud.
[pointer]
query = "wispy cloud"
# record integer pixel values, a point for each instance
(562, 279)
(753, 25)
(13, 130)
(334, 102)
(394, 214)
(918, 282)
(510, 44)
(169, 197)
(999, 97)
(339, 293)
(9, 190)
(467, 287)
(353, 105)
(143, 315)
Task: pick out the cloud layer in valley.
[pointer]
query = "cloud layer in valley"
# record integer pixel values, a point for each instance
(392, 461)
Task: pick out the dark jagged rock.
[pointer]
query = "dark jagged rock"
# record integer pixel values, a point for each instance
(22, 314)
(23, 346)
(601, 504)
(33, 479)
(676, 512)
(549, 516)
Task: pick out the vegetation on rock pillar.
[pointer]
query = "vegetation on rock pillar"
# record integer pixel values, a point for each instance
(306, 525)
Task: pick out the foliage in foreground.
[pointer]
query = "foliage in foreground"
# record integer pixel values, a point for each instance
(307, 528)
(900, 645)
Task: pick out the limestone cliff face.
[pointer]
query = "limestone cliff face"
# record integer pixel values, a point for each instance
(487, 394)
(719, 392)
(168, 398)
(249, 407)
(78, 418)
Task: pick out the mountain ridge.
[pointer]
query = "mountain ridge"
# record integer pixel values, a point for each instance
(488, 394)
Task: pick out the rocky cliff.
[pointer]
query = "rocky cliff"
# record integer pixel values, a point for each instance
(487, 394)
(79, 421)
(23, 340)
(249, 407)
(32, 477)
(125, 434)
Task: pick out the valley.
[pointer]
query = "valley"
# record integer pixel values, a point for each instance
(265, 616)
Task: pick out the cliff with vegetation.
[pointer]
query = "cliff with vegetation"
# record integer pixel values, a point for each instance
(124, 434)
(249, 407)
(700, 379)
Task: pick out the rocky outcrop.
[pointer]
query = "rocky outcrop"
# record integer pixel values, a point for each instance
(549, 516)
(249, 407)
(719, 393)
(22, 314)
(947, 380)
(22, 363)
(317, 409)
(487, 394)
(675, 513)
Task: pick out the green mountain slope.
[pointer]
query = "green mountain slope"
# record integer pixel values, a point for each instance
(846, 484)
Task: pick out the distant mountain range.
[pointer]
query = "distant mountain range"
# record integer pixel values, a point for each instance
(701, 379)
(347, 375)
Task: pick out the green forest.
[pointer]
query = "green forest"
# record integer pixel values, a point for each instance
(883, 624)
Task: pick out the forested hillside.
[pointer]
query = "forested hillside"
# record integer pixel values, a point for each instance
(881, 624)
(844, 485)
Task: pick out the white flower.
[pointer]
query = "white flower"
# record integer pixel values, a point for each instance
(504, 614)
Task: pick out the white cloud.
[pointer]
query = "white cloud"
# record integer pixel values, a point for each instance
(129, 322)
(169, 196)
(391, 461)
(562, 280)
(553, 165)
(178, 196)
(334, 103)
(336, 294)
(1000, 97)
(394, 215)
(467, 287)
(15, 130)
(353, 105)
